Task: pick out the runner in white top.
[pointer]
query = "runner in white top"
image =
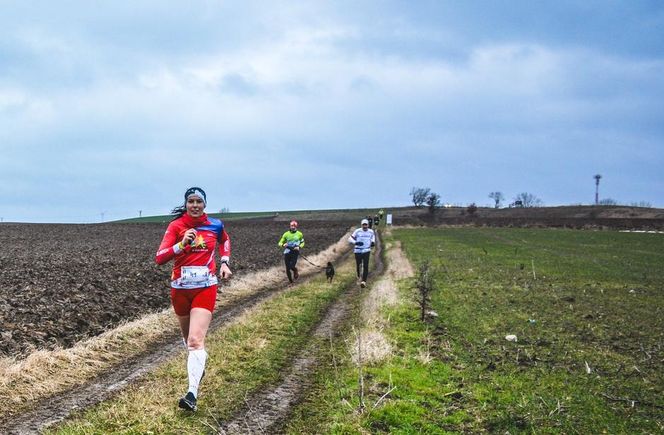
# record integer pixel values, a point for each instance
(364, 239)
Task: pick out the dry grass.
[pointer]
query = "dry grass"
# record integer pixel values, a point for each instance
(399, 266)
(424, 353)
(383, 293)
(375, 348)
(45, 373)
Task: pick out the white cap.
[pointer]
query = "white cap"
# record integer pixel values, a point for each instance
(364, 221)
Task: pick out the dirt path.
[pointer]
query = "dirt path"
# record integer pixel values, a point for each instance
(267, 411)
(54, 409)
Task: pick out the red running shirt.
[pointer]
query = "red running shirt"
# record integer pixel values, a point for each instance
(194, 265)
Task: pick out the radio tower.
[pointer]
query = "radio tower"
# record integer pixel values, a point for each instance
(597, 177)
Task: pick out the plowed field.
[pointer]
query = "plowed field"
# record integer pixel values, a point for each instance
(63, 283)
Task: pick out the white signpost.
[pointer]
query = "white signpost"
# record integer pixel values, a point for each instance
(389, 219)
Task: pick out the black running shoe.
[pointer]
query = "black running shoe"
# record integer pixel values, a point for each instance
(188, 402)
(296, 274)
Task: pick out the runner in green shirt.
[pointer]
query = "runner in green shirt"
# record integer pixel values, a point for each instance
(292, 241)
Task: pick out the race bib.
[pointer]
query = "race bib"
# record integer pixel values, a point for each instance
(192, 275)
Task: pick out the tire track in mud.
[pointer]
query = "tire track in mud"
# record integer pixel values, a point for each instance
(267, 411)
(52, 410)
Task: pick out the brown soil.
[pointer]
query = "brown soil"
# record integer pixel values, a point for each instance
(60, 284)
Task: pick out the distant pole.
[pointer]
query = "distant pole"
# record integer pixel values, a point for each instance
(597, 177)
(140, 212)
(102, 216)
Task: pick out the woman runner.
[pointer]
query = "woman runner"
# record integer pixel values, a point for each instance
(191, 239)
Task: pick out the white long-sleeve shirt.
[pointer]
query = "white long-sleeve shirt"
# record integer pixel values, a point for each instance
(367, 237)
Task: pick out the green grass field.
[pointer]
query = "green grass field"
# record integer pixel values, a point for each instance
(587, 310)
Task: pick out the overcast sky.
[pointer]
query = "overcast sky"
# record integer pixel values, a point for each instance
(108, 108)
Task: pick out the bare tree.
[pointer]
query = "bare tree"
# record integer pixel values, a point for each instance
(607, 201)
(528, 200)
(498, 197)
(419, 195)
(433, 201)
(471, 209)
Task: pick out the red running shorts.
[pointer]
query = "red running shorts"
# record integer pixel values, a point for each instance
(184, 300)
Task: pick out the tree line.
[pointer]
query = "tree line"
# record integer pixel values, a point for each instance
(421, 196)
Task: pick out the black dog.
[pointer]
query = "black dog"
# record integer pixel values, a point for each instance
(329, 271)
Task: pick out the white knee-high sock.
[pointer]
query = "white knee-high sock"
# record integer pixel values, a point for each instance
(195, 368)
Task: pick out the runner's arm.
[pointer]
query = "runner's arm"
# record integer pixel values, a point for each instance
(225, 246)
(169, 246)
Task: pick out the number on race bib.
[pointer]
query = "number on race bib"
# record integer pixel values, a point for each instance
(194, 275)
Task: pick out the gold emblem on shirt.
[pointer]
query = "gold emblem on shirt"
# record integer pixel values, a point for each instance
(199, 243)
